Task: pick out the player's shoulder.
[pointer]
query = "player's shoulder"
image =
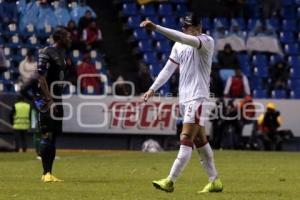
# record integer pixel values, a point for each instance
(206, 37)
(47, 50)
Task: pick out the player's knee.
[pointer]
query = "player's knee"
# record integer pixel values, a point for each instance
(186, 139)
(200, 142)
(47, 139)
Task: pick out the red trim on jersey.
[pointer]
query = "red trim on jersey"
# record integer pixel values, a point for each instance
(200, 43)
(187, 142)
(198, 114)
(173, 61)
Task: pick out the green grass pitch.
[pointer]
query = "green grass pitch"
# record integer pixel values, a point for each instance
(127, 175)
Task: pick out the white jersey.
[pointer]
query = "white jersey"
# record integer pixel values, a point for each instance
(195, 67)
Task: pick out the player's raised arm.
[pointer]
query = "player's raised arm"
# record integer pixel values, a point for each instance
(187, 37)
(161, 79)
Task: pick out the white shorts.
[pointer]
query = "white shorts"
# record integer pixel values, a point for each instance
(194, 111)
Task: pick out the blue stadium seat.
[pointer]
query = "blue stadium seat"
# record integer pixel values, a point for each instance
(11, 29)
(259, 93)
(147, 10)
(261, 71)
(14, 42)
(134, 21)
(163, 46)
(164, 58)
(28, 32)
(288, 12)
(289, 25)
(294, 83)
(275, 58)
(2, 41)
(274, 22)
(165, 9)
(223, 20)
(165, 89)
(145, 46)
(287, 2)
(260, 61)
(279, 94)
(157, 36)
(32, 43)
(140, 34)
(155, 69)
(241, 22)
(291, 49)
(181, 10)
(294, 61)
(295, 94)
(287, 37)
(129, 9)
(4, 87)
(150, 58)
(226, 73)
(297, 2)
(154, 19)
(243, 59)
(298, 12)
(295, 72)
(246, 69)
(251, 23)
(256, 82)
(169, 21)
(76, 56)
(206, 23)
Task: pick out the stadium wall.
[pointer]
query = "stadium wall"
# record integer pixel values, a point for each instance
(128, 128)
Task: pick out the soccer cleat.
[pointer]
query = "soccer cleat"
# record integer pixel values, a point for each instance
(50, 178)
(164, 184)
(47, 178)
(212, 186)
(54, 179)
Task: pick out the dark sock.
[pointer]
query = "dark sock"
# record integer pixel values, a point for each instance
(52, 156)
(46, 150)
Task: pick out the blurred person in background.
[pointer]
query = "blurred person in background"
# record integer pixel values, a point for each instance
(27, 67)
(20, 119)
(8, 12)
(267, 128)
(85, 20)
(92, 36)
(75, 36)
(217, 123)
(279, 76)
(237, 86)
(92, 79)
(3, 64)
(216, 82)
(270, 8)
(228, 58)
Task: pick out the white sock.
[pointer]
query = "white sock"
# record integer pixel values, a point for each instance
(207, 161)
(183, 157)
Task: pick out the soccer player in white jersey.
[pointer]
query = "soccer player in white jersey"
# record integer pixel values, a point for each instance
(192, 53)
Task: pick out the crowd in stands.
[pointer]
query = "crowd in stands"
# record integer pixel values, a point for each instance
(254, 36)
(25, 28)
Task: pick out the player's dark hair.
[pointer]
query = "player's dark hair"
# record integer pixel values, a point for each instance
(191, 19)
(59, 33)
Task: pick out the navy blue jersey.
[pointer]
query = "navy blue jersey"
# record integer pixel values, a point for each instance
(52, 65)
